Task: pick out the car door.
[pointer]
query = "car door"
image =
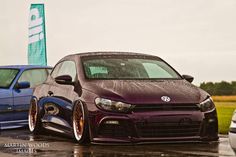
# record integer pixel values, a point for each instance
(7, 80)
(6, 105)
(22, 97)
(63, 95)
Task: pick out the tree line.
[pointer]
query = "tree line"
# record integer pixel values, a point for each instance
(219, 88)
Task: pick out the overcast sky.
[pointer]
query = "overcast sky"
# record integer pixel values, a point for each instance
(197, 37)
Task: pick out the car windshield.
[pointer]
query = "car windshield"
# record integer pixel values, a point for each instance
(127, 68)
(7, 76)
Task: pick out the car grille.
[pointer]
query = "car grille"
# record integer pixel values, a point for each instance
(158, 129)
(109, 130)
(165, 107)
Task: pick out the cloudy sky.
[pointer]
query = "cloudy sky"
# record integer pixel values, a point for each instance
(197, 37)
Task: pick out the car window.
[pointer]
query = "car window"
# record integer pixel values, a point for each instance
(34, 76)
(156, 71)
(7, 76)
(55, 70)
(98, 70)
(127, 68)
(65, 68)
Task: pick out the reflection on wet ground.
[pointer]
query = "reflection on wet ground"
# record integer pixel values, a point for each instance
(22, 143)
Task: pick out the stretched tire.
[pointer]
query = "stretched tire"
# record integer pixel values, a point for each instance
(34, 122)
(80, 123)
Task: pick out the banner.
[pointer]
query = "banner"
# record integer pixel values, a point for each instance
(37, 38)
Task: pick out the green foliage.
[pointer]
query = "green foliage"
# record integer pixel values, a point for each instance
(234, 87)
(219, 88)
(225, 111)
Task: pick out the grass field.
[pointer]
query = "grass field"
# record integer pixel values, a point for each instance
(225, 106)
(224, 98)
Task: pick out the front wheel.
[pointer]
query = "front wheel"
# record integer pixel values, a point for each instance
(80, 124)
(34, 118)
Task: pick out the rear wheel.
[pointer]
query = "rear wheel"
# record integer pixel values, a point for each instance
(33, 117)
(80, 124)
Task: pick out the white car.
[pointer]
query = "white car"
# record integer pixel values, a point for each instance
(232, 132)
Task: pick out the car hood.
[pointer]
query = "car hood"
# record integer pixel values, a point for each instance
(146, 91)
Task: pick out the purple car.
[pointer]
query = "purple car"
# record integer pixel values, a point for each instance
(118, 97)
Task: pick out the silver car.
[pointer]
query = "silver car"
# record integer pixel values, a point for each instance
(232, 132)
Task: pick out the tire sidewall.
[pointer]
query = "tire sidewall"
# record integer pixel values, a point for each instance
(38, 125)
(84, 137)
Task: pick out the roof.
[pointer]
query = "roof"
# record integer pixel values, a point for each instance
(98, 53)
(24, 66)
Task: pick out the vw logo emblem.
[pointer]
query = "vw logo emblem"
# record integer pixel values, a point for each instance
(165, 98)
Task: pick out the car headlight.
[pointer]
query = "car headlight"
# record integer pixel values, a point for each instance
(110, 105)
(232, 127)
(207, 105)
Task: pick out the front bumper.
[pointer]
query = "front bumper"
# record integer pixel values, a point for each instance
(155, 126)
(232, 140)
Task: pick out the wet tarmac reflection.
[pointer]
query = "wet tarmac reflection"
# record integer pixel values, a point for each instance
(22, 143)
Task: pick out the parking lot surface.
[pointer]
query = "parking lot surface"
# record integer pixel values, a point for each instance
(23, 143)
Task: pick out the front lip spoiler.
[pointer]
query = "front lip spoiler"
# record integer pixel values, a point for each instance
(141, 141)
(149, 143)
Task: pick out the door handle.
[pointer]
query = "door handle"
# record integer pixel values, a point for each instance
(50, 93)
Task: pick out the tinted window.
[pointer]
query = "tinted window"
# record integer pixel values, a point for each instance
(34, 76)
(156, 70)
(54, 73)
(7, 76)
(127, 68)
(65, 68)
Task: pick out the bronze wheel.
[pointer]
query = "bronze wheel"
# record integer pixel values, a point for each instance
(78, 121)
(33, 114)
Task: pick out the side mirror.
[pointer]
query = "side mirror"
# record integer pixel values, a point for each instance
(22, 85)
(188, 78)
(64, 79)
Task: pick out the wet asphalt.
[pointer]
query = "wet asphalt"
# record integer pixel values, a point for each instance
(21, 142)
